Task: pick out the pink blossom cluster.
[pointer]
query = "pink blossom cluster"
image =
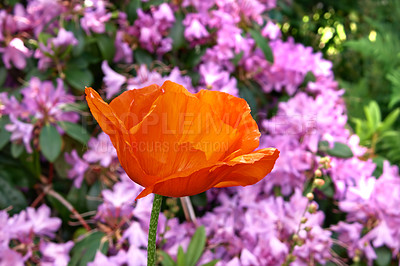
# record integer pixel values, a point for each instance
(23, 230)
(42, 103)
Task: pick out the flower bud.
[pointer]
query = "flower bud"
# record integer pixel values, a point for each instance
(312, 208)
(310, 196)
(319, 182)
(290, 258)
(318, 173)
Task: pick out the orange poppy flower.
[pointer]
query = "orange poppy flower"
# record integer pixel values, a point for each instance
(175, 143)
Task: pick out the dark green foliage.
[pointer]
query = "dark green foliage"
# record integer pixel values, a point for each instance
(192, 254)
(85, 250)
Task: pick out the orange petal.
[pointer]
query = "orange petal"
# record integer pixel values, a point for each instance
(189, 185)
(179, 133)
(235, 112)
(247, 169)
(103, 113)
(114, 127)
(130, 163)
(131, 106)
(243, 170)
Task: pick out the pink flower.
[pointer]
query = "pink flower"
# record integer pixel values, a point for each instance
(16, 52)
(95, 16)
(55, 254)
(11, 257)
(79, 167)
(64, 38)
(271, 30)
(100, 151)
(195, 29)
(112, 79)
(123, 52)
(20, 131)
(41, 222)
(118, 260)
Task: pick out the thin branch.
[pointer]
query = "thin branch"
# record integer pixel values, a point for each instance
(69, 207)
(40, 197)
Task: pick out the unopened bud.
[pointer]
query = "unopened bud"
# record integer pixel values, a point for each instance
(318, 173)
(310, 196)
(303, 220)
(308, 228)
(175, 209)
(170, 201)
(290, 258)
(295, 237)
(325, 162)
(356, 259)
(312, 208)
(319, 182)
(300, 242)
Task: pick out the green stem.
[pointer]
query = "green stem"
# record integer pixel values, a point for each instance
(151, 245)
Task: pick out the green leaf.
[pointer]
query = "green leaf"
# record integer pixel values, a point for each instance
(196, 246)
(166, 259)
(4, 134)
(132, 8)
(362, 130)
(80, 62)
(394, 100)
(373, 115)
(18, 175)
(384, 256)
(236, 59)
(93, 199)
(78, 78)
(77, 197)
(328, 188)
(176, 32)
(10, 196)
(106, 46)
(75, 131)
(78, 49)
(263, 44)
(379, 166)
(193, 57)
(16, 149)
(310, 77)
(43, 37)
(50, 142)
(199, 200)
(211, 263)
(85, 250)
(143, 57)
(389, 120)
(339, 149)
(181, 258)
(250, 98)
(3, 75)
(74, 107)
(146, 5)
